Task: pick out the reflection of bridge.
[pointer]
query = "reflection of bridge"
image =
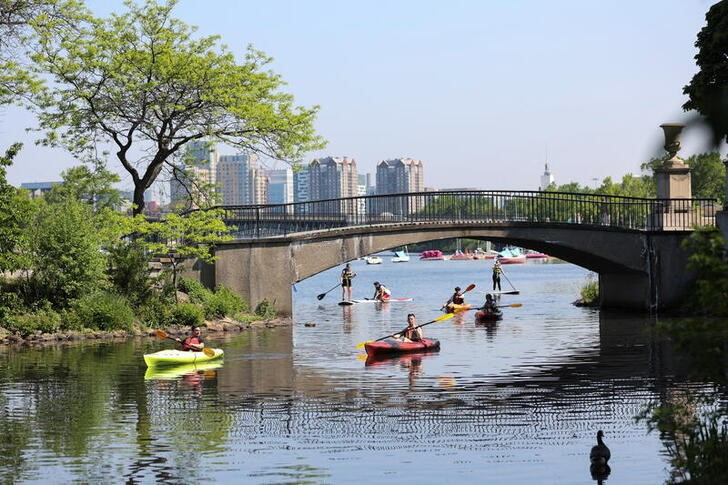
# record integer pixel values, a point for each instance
(633, 243)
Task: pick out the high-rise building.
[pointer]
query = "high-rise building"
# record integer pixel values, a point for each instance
(301, 188)
(240, 181)
(200, 164)
(333, 178)
(546, 179)
(280, 186)
(399, 176)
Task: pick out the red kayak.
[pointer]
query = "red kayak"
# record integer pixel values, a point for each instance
(394, 346)
(488, 316)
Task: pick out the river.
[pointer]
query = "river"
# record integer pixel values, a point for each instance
(516, 401)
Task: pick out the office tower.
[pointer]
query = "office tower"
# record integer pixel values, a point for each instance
(200, 164)
(333, 178)
(240, 181)
(280, 186)
(399, 176)
(546, 179)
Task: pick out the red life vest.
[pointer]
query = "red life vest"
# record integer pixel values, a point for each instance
(191, 340)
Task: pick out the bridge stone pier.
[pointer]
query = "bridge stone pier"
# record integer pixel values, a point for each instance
(638, 270)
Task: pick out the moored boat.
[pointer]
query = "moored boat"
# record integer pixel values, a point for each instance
(511, 256)
(373, 260)
(176, 357)
(432, 255)
(537, 256)
(400, 257)
(394, 346)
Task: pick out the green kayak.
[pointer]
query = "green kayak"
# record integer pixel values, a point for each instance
(176, 357)
(172, 372)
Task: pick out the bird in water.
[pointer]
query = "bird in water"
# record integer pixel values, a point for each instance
(599, 457)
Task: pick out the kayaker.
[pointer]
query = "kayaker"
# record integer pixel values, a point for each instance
(381, 292)
(497, 271)
(457, 298)
(346, 276)
(194, 342)
(489, 305)
(411, 334)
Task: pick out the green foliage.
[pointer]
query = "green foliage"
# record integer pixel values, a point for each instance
(157, 311)
(195, 290)
(223, 302)
(590, 291)
(64, 248)
(15, 215)
(128, 272)
(708, 89)
(43, 321)
(707, 177)
(186, 314)
(265, 309)
(93, 186)
(158, 85)
(102, 310)
(709, 260)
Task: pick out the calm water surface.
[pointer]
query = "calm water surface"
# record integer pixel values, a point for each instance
(517, 401)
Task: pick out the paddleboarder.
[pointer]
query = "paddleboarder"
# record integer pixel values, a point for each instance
(381, 292)
(497, 271)
(194, 342)
(346, 276)
(411, 334)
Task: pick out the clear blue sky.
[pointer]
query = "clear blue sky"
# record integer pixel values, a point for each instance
(480, 91)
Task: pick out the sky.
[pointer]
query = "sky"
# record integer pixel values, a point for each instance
(484, 92)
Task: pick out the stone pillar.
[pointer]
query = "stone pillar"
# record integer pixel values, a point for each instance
(673, 180)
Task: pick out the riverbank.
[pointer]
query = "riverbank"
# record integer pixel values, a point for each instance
(210, 328)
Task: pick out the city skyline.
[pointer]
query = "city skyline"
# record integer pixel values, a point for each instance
(491, 90)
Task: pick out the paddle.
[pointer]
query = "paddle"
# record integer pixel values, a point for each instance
(446, 316)
(509, 281)
(470, 287)
(321, 296)
(162, 334)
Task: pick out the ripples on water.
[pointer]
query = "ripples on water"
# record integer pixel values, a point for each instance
(519, 400)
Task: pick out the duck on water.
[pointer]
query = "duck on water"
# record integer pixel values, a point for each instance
(599, 457)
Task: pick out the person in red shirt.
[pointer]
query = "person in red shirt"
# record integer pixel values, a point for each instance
(194, 342)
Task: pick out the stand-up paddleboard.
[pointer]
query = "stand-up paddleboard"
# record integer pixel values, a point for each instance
(346, 303)
(508, 292)
(391, 300)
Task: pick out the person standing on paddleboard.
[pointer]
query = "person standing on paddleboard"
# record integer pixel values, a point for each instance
(497, 274)
(346, 276)
(381, 292)
(194, 342)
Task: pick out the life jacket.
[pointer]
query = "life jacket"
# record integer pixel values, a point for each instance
(412, 334)
(458, 299)
(191, 340)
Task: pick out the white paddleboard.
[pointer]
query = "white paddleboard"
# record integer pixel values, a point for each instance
(391, 300)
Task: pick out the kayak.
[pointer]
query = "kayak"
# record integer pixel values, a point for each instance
(176, 357)
(391, 300)
(456, 307)
(488, 316)
(172, 372)
(394, 346)
(410, 358)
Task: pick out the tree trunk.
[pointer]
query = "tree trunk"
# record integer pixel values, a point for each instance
(138, 199)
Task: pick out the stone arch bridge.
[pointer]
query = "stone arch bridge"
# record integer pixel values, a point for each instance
(633, 244)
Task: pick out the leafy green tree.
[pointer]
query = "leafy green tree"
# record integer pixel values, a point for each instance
(145, 83)
(64, 247)
(15, 213)
(708, 89)
(93, 186)
(707, 175)
(183, 237)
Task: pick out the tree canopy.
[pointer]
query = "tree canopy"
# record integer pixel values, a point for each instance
(146, 84)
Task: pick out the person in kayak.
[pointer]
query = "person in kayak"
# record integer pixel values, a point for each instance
(381, 292)
(194, 342)
(457, 298)
(346, 276)
(489, 305)
(497, 271)
(411, 334)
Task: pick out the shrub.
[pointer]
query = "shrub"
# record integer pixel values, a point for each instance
(128, 271)
(265, 309)
(195, 290)
(187, 314)
(45, 321)
(104, 311)
(224, 302)
(157, 311)
(590, 291)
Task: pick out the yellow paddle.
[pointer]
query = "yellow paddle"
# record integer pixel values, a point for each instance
(446, 316)
(162, 334)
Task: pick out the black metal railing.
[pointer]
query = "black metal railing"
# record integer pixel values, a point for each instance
(471, 207)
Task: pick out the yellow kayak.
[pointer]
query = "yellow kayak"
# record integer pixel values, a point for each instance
(176, 357)
(171, 372)
(455, 307)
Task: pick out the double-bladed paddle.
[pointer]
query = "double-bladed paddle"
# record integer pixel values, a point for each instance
(470, 287)
(446, 316)
(162, 334)
(321, 296)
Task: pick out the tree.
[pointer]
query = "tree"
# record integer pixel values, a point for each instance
(15, 213)
(144, 83)
(182, 237)
(708, 89)
(92, 186)
(707, 176)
